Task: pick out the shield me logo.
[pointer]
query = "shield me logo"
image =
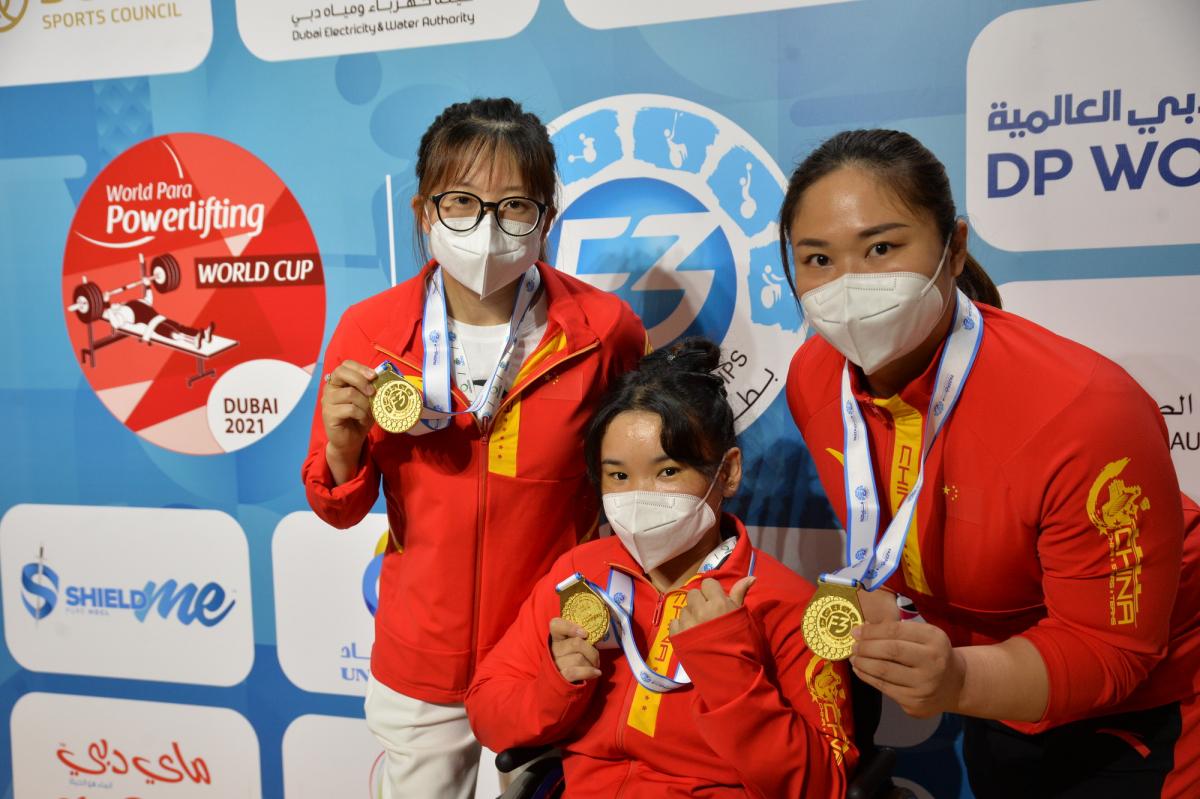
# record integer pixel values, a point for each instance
(39, 589)
(208, 604)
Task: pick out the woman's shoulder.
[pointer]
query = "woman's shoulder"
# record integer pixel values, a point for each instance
(814, 378)
(1049, 369)
(591, 558)
(604, 311)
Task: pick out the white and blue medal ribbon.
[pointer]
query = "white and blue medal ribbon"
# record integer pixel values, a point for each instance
(618, 598)
(436, 368)
(870, 564)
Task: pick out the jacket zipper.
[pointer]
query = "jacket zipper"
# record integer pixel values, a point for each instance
(627, 705)
(480, 513)
(520, 388)
(485, 432)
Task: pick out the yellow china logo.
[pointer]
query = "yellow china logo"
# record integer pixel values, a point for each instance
(1113, 507)
(11, 12)
(827, 692)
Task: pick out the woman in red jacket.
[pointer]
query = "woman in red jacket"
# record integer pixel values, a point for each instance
(507, 358)
(1014, 485)
(727, 700)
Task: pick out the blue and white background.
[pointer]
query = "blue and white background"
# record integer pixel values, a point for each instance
(162, 609)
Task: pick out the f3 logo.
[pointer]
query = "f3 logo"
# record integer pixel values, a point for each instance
(672, 207)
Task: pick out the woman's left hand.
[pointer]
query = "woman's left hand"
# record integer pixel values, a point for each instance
(710, 601)
(911, 662)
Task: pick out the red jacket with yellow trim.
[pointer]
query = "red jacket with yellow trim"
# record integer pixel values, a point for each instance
(1050, 510)
(476, 514)
(764, 717)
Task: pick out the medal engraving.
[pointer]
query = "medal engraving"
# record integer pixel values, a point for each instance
(396, 404)
(828, 619)
(587, 610)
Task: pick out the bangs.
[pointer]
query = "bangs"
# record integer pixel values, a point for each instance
(459, 154)
(454, 161)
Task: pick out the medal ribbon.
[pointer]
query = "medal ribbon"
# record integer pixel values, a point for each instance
(437, 363)
(870, 564)
(618, 598)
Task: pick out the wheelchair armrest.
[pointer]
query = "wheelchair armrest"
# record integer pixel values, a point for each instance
(873, 774)
(542, 778)
(518, 756)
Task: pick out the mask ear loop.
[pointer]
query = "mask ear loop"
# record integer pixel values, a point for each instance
(716, 476)
(941, 263)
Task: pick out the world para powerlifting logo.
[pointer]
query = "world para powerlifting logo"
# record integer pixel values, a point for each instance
(11, 12)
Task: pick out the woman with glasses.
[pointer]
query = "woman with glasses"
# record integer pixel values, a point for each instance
(486, 367)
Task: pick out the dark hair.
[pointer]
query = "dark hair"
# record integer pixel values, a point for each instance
(678, 384)
(903, 164)
(465, 133)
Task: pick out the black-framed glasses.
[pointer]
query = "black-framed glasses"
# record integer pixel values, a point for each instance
(462, 211)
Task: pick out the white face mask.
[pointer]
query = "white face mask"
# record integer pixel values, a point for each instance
(485, 259)
(655, 526)
(876, 317)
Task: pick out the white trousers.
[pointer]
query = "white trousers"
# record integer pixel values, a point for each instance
(429, 749)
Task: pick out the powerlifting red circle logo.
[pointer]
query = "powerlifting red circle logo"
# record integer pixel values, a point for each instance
(193, 293)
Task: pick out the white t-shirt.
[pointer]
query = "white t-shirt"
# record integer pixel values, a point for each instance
(476, 349)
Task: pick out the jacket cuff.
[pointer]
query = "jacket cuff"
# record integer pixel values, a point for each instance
(722, 656)
(320, 476)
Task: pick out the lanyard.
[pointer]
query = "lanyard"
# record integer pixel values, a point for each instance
(438, 358)
(618, 598)
(870, 564)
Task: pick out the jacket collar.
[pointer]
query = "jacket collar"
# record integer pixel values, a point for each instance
(402, 335)
(916, 393)
(736, 566)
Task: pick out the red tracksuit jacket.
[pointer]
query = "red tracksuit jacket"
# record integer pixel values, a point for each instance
(1050, 510)
(460, 501)
(764, 717)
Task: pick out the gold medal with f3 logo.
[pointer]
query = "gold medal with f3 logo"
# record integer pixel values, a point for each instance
(579, 604)
(396, 404)
(830, 616)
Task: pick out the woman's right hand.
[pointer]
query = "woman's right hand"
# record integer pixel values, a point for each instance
(576, 659)
(346, 414)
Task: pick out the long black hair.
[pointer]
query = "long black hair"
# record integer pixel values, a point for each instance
(678, 384)
(905, 166)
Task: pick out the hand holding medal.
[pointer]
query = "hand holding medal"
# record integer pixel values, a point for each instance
(346, 408)
(573, 637)
(574, 656)
(911, 662)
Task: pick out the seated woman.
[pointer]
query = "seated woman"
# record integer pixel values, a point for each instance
(712, 690)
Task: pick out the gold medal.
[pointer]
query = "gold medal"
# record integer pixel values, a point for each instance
(396, 404)
(581, 605)
(828, 619)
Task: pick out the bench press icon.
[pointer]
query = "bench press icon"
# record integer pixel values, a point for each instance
(138, 319)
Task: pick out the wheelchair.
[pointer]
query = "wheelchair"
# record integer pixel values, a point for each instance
(543, 779)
